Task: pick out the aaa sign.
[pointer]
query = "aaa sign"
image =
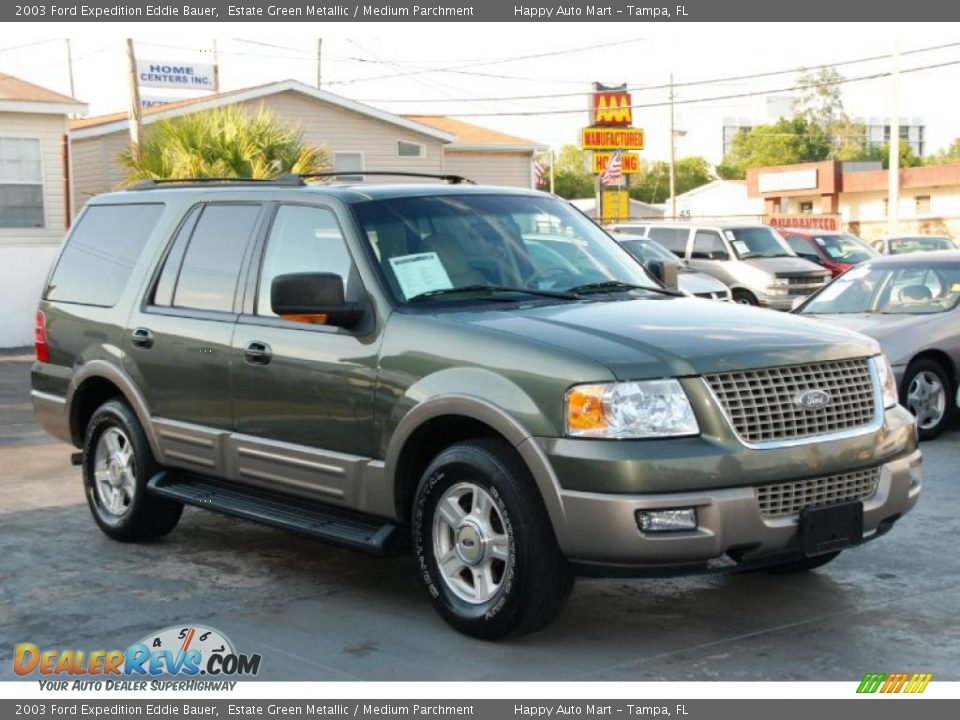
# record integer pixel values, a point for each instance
(611, 108)
(630, 162)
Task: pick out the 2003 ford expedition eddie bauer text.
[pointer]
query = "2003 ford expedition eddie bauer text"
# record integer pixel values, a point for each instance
(395, 367)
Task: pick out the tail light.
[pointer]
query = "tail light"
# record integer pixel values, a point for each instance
(40, 338)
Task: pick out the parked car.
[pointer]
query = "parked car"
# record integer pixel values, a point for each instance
(753, 261)
(913, 243)
(648, 251)
(909, 304)
(837, 252)
(387, 367)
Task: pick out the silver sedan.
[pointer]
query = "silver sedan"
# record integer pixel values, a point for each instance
(909, 304)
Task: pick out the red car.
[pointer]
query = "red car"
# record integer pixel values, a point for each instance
(837, 252)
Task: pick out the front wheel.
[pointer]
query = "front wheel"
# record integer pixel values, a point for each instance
(744, 297)
(484, 544)
(927, 392)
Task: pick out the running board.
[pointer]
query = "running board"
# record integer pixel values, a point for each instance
(333, 525)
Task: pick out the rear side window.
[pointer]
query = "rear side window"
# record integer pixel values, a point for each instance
(211, 264)
(99, 256)
(673, 239)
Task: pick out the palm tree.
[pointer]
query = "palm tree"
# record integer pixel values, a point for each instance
(223, 142)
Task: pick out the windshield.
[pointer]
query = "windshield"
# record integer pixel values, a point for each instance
(901, 246)
(845, 248)
(521, 246)
(911, 290)
(752, 242)
(647, 250)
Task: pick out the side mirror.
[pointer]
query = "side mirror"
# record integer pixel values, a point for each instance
(665, 272)
(313, 298)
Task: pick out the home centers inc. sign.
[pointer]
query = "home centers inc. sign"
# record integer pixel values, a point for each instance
(180, 75)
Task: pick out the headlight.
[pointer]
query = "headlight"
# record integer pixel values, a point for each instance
(779, 282)
(651, 408)
(888, 385)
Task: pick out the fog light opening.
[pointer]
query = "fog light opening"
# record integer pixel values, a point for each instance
(667, 521)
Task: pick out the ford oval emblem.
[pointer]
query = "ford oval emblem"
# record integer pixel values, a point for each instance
(812, 399)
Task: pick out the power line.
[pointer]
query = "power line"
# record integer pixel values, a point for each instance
(691, 101)
(690, 83)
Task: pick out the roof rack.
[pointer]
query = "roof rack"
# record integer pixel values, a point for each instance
(290, 179)
(150, 183)
(451, 179)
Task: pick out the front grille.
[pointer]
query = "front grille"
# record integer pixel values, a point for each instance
(799, 286)
(792, 497)
(761, 404)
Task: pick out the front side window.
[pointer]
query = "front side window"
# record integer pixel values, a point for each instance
(707, 245)
(907, 290)
(211, 264)
(302, 239)
(519, 245)
(21, 183)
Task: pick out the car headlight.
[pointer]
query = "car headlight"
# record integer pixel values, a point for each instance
(644, 409)
(888, 384)
(780, 282)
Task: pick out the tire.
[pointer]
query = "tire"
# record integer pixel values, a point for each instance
(117, 462)
(744, 297)
(927, 391)
(804, 565)
(505, 572)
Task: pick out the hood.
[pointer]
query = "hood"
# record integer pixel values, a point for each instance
(787, 265)
(698, 282)
(671, 337)
(898, 335)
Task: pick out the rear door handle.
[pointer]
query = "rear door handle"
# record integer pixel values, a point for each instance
(257, 353)
(142, 338)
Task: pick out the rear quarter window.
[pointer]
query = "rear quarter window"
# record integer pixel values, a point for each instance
(100, 253)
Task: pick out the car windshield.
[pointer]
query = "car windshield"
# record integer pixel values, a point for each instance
(752, 242)
(499, 246)
(905, 290)
(845, 248)
(901, 246)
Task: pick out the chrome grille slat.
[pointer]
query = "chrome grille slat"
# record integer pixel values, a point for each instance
(760, 404)
(789, 498)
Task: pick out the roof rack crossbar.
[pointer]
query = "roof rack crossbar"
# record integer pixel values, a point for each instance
(452, 179)
(151, 183)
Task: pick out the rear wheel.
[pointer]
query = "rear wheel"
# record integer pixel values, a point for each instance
(484, 544)
(744, 297)
(927, 392)
(117, 462)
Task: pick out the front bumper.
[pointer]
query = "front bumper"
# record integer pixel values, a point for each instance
(601, 535)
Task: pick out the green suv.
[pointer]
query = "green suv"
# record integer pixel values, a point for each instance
(478, 375)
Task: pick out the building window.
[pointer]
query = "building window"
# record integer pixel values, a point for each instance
(410, 149)
(21, 183)
(922, 205)
(806, 208)
(350, 164)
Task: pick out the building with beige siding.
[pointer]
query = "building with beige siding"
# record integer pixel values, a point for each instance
(359, 137)
(34, 197)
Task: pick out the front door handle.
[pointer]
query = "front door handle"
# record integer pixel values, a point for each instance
(257, 353)
(142, 338)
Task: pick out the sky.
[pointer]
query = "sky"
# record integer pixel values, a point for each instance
(394, 66)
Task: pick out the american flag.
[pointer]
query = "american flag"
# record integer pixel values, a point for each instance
(613, 175)
(538, 171)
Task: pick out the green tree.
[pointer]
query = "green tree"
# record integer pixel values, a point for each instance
(819, 100)
(785, 142)
(223, 142)
(950, 154)
(882, 153)
(652, 184)
(571, 177)
(848, 139)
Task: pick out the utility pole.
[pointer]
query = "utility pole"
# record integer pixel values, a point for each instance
(893, 174)
(673, 154)
(216, 67)
(136, 115)
(70, 67)
(319, 57)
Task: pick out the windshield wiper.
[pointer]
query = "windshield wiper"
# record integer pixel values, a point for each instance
(492, 289)
(617, 286)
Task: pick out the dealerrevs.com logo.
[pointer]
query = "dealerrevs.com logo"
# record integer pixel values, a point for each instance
(894, 682)
(178, 651)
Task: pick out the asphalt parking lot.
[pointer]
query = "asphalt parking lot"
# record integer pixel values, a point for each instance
(318, 613)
